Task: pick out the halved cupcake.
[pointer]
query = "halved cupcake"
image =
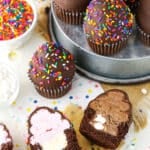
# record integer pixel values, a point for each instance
(107, 119)
(50, 130)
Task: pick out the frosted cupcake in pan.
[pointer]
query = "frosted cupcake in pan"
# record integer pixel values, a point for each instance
(108, 25)
(71, 11)
(51, 70)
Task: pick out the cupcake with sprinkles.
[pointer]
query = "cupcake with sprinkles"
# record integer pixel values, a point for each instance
(51, 70)
(108, 25)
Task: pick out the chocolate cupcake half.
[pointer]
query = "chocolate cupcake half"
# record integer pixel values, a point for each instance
(71, 11)
(143, 22)
(51, 70)
(50, 130)
(107, 26)
(107, 119)
(6, 142)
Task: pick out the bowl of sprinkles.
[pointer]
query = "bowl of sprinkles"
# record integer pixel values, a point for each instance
(17, 21)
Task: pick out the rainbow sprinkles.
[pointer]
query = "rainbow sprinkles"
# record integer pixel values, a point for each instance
(16, 17)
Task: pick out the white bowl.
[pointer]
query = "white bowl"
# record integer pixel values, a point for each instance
(20, 40)
(9, 85)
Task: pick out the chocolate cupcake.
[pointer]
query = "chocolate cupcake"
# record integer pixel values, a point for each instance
(71, 11)
(50, 130)
(51, 70)
(108, 25)
(6, 142)
(107, 119)
(143, 21)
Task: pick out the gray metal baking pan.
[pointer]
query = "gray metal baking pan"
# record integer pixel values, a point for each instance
(131, 65)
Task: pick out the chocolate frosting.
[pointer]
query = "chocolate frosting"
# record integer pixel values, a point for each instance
(73, 5)
(51, 66)
(143, 15)
(107, 21)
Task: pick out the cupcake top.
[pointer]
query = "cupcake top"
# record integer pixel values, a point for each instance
(143, 15)
(76, 5)
(51, 66)
(107, 21)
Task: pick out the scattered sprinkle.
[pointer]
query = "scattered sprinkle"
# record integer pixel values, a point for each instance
(28, 109)
(55, 108)
(96, 85)
(35, 101)
(54, 102)
(17, 145)
(87, 96)
(90, 91)
(12, 55)
(70, 97)
(14, 103)
(80, 84)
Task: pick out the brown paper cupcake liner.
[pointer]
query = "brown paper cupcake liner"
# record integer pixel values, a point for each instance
(53, 92)
(144, 37)
(70, 17)
(107, 49)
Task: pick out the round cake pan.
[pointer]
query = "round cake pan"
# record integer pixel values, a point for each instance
(131, 65)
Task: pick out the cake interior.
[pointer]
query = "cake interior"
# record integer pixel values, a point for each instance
(111, 111)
